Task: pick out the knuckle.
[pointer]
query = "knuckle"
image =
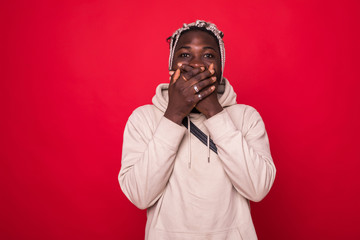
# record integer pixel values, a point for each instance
(194, 70)
(197, 77)
(207, 82)
(207, 92)
(200, 85)
(189, 101)
(203, 84)
(187, 76)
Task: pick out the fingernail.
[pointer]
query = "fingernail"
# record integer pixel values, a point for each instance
(179, 64)
(213, 78)
(202, 69)
(171, 73)
(212, 88)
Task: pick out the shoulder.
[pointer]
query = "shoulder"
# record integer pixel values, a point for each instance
(146, 116)
(144, 112)
(242, 110)
(244, 116)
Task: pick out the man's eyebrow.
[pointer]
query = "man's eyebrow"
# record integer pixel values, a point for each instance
(186, 47)
(206, 47)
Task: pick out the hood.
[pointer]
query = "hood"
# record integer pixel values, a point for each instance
(226, 95)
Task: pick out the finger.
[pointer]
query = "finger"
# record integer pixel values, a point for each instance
(186, 68)
(203, 94)
(191, 73)
(203, 84)
(176, 76)
(211, 69)
(200, 77)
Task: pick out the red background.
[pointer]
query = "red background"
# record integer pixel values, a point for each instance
(73, 71)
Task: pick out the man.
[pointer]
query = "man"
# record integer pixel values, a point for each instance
(195, 158)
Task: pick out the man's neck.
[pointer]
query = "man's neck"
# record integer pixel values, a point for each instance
(194, 110)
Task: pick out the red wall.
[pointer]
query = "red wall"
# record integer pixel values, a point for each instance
(73, 71)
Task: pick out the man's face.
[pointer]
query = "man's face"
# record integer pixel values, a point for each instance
(198, 48)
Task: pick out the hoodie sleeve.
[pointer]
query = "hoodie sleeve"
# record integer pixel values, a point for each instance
(148, 158)
(245, 154)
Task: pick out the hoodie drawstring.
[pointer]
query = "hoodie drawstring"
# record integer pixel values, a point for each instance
(208, 146)
(189, 133)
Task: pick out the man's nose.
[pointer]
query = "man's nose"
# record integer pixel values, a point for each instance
(196, 62)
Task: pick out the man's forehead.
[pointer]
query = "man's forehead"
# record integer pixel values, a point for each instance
(199, 38)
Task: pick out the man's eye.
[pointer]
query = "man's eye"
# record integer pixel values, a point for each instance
(209, 55)
(184, 55)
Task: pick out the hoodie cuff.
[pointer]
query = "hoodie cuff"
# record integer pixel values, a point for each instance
(169, 133)
(219, 125)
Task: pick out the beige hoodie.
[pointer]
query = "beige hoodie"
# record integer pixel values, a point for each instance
(207, 199)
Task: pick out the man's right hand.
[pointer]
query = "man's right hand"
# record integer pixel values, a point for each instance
(187, 87)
